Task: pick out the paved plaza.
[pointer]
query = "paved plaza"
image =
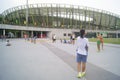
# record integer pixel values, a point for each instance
(45, 60)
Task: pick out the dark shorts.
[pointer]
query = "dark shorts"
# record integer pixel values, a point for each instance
(81, 58)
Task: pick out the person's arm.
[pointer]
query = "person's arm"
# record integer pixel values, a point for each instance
(87, 45)
(77, 42)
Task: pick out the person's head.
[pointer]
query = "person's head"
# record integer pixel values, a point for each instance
(82, 33)
(7, 40)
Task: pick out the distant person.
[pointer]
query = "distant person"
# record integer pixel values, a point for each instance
(2, 37)
(34, 39)
(60, 40)
(25, 36)
(101, 40)
(8, 43)
(98, 41)
(73, 39)
(82, 53)
(54, 38)
(65, 41)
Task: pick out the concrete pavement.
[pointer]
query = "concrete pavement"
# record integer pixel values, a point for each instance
(107, 59)
(55, 61)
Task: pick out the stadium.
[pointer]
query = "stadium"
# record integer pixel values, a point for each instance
(43, 20)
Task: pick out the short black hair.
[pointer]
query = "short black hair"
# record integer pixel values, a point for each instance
(82, 32)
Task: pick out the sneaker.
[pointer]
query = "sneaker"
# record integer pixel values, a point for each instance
(83, 74)
(79, 75)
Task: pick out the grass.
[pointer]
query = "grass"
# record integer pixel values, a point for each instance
(107, 40)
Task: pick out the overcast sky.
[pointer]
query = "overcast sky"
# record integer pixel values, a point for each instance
(108, 5)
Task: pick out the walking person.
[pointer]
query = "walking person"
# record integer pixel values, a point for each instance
(82, 53)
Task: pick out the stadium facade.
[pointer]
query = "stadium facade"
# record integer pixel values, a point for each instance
(44, 20)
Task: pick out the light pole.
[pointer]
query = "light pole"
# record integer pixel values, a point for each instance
(116, 32)
(26, 13)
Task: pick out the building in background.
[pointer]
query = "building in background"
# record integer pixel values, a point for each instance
(62, 20)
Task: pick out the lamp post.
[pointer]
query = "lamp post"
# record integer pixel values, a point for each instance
(26, 13)
(116, 32)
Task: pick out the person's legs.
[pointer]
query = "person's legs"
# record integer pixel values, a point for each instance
(84, 60)
(73, 41)
(102, 45)
(98, 45)
(79, 67)
(79, 70)
(83, 73)
(83, 66)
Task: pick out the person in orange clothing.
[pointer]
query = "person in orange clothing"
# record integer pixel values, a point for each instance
(101, 40)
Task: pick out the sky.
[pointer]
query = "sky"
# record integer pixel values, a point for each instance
(108, 5)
